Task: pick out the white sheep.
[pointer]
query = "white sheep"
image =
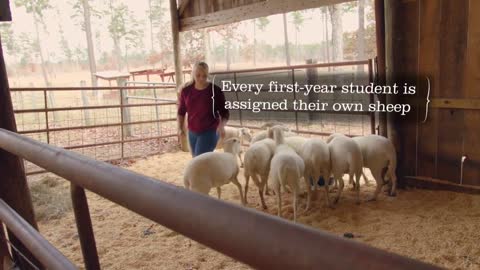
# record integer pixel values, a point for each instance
(214, 169)
(243, 133)
(345, 157)
(264, 133)
(257, 164)
(316, 156)
(286, 169)
(379, 154)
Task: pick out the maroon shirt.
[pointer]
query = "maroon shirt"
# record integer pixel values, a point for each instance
(198, 105)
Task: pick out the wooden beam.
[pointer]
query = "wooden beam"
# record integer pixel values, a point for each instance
(177, 61)
(13, 182)
(437, 184)
(381, 60)
(183, 5)
(456, 103)
(252, 11)
(5, 14)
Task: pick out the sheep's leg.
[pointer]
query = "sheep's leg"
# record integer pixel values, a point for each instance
(236, 183)
(219, 192)
(357, 177)
(279, 202)
(377, 175)
(365, 179)
(295, 198)
(267, 189)
(340, 188)
(327, 196)
(306, 177)
(262, 185)
(247, 179)
(240, 157)
(352, 182)
(393, 180)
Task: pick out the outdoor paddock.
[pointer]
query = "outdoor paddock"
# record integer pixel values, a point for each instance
(438, 227)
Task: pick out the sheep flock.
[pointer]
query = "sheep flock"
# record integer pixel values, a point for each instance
(279, 160)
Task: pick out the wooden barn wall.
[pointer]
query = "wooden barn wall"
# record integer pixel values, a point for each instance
(441, 40)
(197, 14)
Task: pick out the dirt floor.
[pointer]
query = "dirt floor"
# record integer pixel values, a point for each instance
(433, 226)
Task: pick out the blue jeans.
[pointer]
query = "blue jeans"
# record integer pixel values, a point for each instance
(202, 142)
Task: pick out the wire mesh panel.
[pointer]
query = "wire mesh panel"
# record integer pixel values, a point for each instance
(92, 121)
(286, 95)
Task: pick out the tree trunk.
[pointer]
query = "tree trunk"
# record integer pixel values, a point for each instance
(361, 34)
(126, 58)
(40, 52)
(296, 44)
(254, 42)
(337, 32)
(327, 42)
(151, 25)
(43, 66)
(206, 42)
(227, 53)
(90, 48)
(118, 53)
(287, 51)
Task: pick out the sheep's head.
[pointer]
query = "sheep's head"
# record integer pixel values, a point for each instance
(232, 145)
(246, 134)
(332, 136)
(276, 133)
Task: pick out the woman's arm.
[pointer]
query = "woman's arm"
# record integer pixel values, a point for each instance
(182, 110)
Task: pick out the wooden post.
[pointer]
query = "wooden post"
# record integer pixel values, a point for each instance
(86, 112)
(312, 79)
(380, 33)
(127, 129)
(13, 182)
(177, 60)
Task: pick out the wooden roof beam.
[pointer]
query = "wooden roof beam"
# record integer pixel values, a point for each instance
(182, 6)
(252, 11)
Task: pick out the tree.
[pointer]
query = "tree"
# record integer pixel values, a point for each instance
(229, 35)
(122, 25)
(285, 33)
(8, 39)
(133, 38)
(324, 12)
(261, 23)
(193, 47)
(353, 40)
(156, 15)
(37, 9)
(67, 52)
(83, 12)
(298, 20)
(360, 34)
(337, 32)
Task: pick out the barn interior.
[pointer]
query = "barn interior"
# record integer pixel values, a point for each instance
(141, 217)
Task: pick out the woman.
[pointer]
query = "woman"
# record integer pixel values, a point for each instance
(205, 104)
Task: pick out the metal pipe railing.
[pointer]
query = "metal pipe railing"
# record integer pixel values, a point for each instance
(321, 65)
(45, 252)
(102, 88)
(257, 239)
